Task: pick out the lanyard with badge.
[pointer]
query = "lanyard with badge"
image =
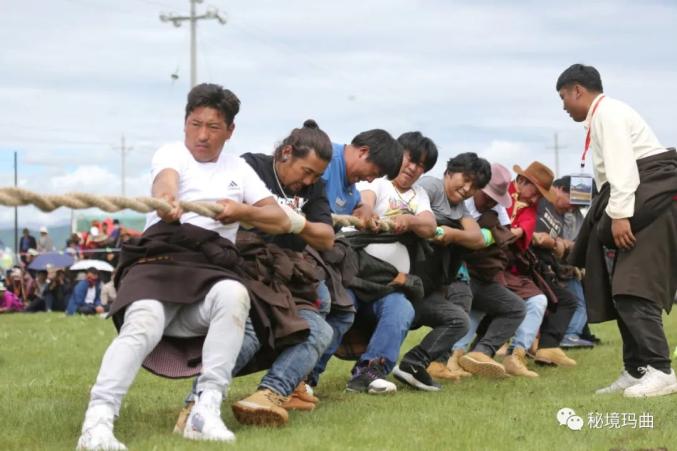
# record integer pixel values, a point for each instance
(580, 187)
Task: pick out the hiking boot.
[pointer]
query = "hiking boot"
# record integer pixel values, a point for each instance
(453, 365)
(294, 403)
(553, 356)
(482, 365)
(653, 383)
(415, 376)
(439, 370)
(574, 341)
(263, 408)
(97, 430)
(369, 377)
(624, 381)
(502, 351)
(204, 420)
(183, 417)
(516, 364)
(304, 392)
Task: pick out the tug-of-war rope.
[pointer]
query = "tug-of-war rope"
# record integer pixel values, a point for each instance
(17, 197)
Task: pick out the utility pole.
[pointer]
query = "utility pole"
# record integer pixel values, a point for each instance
(212, 13)
(556, 147)
(123, 163)
(16, 211)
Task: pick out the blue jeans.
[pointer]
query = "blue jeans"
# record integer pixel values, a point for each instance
(293, 364)
(526, 332)
(393, 314)
(580, 317)
(340, 322)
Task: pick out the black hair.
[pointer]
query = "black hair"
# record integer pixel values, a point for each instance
(303, 140)
(586, 76)
(470, 165)
(420, 148)
(93, 270)
(564, 183)
(384, 151)
(213, 96)
(116, 221)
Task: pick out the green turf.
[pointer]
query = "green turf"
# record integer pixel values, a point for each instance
(48, 363)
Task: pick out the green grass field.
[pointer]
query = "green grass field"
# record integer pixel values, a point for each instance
(48, 363)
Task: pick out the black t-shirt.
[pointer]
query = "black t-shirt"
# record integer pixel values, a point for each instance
(311, 200)
(548, 219)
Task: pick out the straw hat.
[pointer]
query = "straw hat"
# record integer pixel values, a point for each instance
(541, 176)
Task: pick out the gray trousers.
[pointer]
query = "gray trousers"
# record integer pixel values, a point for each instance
(221, 317)
(447, 314)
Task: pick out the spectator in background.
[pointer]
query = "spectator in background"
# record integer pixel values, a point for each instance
(86, 297)
(8, 301)
(37, 304)
(21, 284)
(108, 293)
(74, 246)
(27, 242)
(45, 243)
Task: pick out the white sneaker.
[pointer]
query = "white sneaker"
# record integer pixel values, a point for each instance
(624, 381)
(653, 383)
(378, 386)
(97, 430)
(204, 421)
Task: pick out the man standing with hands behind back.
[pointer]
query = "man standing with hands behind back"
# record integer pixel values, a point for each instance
(635, 213)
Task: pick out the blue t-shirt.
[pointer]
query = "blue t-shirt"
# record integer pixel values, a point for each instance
(343, 197)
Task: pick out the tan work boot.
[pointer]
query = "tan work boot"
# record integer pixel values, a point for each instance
(553, 356)
(263, 408)
(439, 370)
(301, 392)
(296, 403)
(183, 416)
(516, 364)
(482, 365)
(502, 351)
(453, 365)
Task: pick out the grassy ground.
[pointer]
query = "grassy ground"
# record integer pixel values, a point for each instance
(48, 363)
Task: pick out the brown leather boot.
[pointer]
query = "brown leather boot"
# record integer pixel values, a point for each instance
(453, 365)
(482, 365)
(516, 364)
(263, 408)
(439, 370)
(553, 356)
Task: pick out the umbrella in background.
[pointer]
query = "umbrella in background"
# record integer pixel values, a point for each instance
(51, 260)
(83, 265)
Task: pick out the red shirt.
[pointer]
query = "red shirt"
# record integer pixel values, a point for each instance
(522, 216)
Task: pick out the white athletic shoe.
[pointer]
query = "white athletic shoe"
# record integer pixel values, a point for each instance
(624, 381)
(204, 421)
(97, 430)
(653, 383)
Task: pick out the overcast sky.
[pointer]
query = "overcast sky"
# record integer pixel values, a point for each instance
(474, 76)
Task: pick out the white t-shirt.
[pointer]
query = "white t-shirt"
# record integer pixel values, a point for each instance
(90, 297)
(230, 177)
(390, 202)
(503, 217)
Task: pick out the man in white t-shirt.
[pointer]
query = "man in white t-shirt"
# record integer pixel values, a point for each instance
(408, 208)
(195, 170)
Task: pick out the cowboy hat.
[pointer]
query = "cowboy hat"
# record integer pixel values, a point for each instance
(541, 176)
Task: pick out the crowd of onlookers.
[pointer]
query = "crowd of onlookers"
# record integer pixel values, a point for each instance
(54, 287)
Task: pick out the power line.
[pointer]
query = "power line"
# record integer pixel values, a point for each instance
(212, 13)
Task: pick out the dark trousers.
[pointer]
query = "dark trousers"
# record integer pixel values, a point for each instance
(506, 310)
(447, 314)
(558, 317)
(640, 322)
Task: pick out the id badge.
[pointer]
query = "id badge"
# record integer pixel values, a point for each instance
(580, 190)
